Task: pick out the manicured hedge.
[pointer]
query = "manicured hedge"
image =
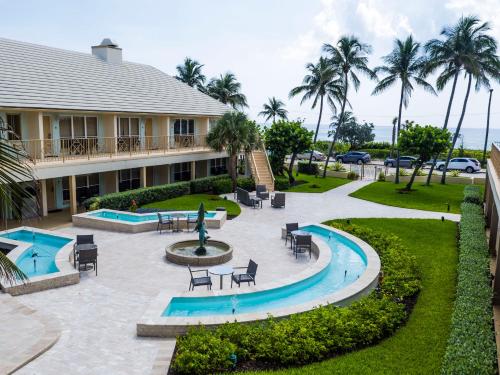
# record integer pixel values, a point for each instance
(281, 183)
(471, 346)
(472, 194)
(303, 167)
(222, 186)
(205, 184)
(246, 183)
(313, 335)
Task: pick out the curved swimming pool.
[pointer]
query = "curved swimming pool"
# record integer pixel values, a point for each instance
(141, 218)
(347, 264)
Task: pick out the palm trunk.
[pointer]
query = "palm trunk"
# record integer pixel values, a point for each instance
(393, 138)
(445, 126)
(290, 168)
(317, 130)
(337, 131)
(414, 174)
(396, 179)
(457, 132)
(233, 159)
(487, 128)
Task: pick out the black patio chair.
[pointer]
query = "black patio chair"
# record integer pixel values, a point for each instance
(247, 277)
(191, 219)
(164, 220)
(290, 227)
(261, 192)
(83, 242)
(199, 281)
(86, 257)
(302, 244)
(278, 201)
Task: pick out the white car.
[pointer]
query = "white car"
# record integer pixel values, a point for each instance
(317, 156)
(463, 164)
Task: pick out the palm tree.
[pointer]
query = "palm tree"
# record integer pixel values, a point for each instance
(322, 80)
(226, 89)
(478, 59)
(190, 73)
(347, 57)
(234, 133)
(394, 123)
(347, 118)
(405, 65)
(275, 108)
(14, 167)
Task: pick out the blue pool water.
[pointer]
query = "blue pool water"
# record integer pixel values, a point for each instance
(125, 216)
(346, 256)
(45, 246)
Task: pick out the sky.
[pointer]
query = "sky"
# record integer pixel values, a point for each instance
(265, 43)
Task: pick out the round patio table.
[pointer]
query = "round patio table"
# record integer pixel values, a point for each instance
(177, 215)
(298, 232)
(221, 271)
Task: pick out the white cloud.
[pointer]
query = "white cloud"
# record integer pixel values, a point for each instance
(486, 10)
(380, 20)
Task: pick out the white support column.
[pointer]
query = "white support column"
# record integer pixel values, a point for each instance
(40, 135)
(143, 177)
(168, 173)
(193, 170)
(43, 203)
(73, 207)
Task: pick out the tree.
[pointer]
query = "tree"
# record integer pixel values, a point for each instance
(394, 123)
(227, 89)
(15, 166)
(480, 62)
(275, 108)
(190, 73)
(347, 57)
(234, 133)
(487, 127)
(322, 81)
(283, 138)
(405, 65)
(352, 132)
(423, 141)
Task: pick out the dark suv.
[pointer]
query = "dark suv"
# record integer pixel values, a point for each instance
(357, 157)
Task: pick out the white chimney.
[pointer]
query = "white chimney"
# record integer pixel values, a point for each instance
(108, 51)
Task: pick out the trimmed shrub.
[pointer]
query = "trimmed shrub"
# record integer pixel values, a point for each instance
(281, 183)
(222, 186)
(376, 145)
(381, 176)
(123, 200)
(472, 194)
(246, 183)
(376, 153)
(303, 167)
(471, 346)
(205, 184)
(313, 335)
(352, 175)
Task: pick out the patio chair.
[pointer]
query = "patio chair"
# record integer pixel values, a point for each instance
(278, 201)
(191, 219)
(83, 242)
(247, 277)
(302, 244)
(261, 192)
(244, 197)
(290, 227)
(86, 257)
(201, 280)
(164, 220)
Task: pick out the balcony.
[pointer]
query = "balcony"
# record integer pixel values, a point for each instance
(62, 150)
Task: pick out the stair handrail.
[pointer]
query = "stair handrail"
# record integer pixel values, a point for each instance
(254, 164)
(267, 160)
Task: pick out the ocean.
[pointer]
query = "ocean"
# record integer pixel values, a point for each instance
(473, 138)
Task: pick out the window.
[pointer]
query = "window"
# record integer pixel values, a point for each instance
(129, 179)
(87, 186)
(218, 166)
(182, 171)
(71, 127)
(127, 126)
(184, 127)
(14, 123)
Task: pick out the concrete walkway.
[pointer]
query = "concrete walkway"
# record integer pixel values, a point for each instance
(98, 315)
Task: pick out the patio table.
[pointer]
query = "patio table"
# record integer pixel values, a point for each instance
(298, 232)
(221, 271)
(177, 215)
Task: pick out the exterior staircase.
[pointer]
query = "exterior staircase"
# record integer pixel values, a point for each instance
(261, 169)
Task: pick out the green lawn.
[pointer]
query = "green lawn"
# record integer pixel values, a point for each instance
(419, 346)
(430, 198)
(192, 202)
(313, 184)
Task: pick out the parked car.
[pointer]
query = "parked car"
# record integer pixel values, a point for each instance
(316, 156)
(468, 165)
(357, 157)
(429, 162)
(404, 162)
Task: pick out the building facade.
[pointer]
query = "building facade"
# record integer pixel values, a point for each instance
(94, 124)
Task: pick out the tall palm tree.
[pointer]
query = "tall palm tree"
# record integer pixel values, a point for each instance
(14, 167)
(394, 124)
(348, 57)
(322, 80)
(190, 73)
(479, 61)
(274, 108)
(227, 89)
(403, 65)
(234, 133)
(347, 118)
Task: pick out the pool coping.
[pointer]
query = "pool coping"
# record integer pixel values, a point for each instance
(87, 220)
(154, 325)
(66, 275)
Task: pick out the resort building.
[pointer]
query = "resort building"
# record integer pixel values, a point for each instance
(95, 124)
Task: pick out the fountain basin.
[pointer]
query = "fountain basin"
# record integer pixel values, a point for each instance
(183, 253)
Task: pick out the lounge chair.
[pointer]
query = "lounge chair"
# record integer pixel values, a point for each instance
(164, 220)
(302, 244)
(86, 257)
(191, 219)
(290, 227)
(278, 201)
(83, 242)
(247, 277)
(244, 197)
(261, 192)
(199, 281)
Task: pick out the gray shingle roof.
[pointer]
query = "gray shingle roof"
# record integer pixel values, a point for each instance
(35, 76)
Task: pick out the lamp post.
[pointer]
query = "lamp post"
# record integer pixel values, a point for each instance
(487, 128)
